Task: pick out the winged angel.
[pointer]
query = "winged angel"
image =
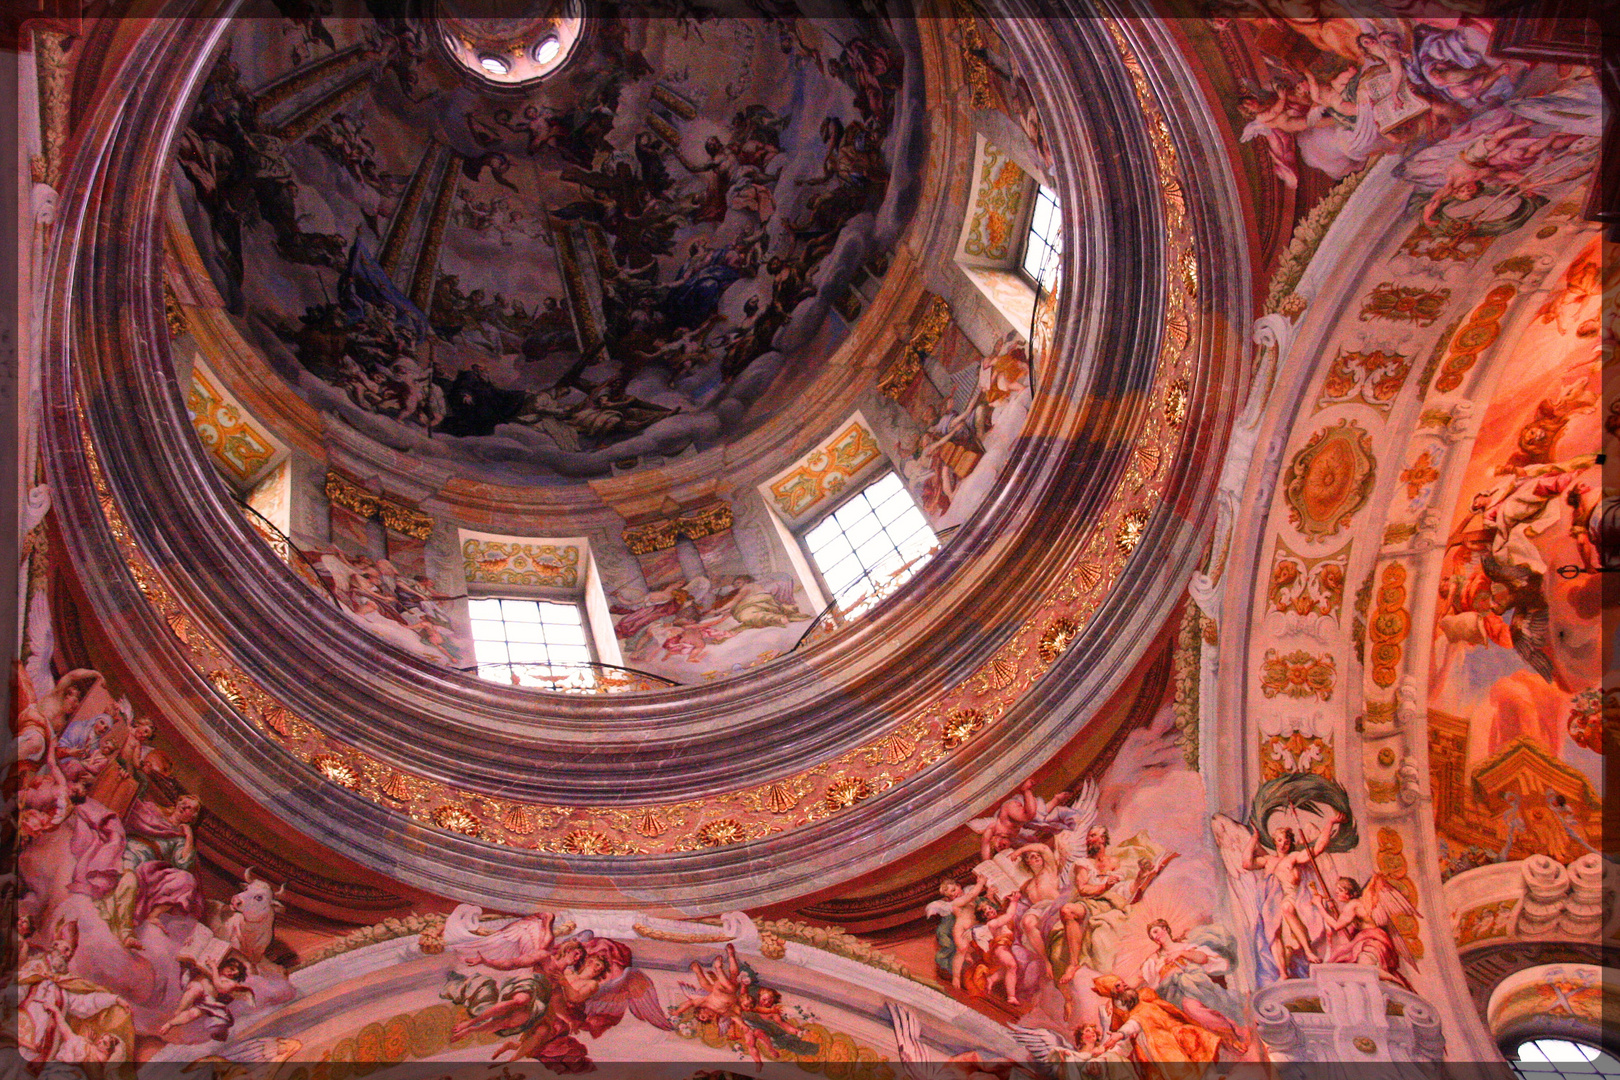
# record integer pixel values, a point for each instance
(576, 983)
(1303, 912)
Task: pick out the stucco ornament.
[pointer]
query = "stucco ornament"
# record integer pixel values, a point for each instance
(1330, 479)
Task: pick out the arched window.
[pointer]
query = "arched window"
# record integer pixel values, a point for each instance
(1547, 1058)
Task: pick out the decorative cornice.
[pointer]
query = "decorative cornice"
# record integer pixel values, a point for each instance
(919, 347)
(694, 525)
(395, 517)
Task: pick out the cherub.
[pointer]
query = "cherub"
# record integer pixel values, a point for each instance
(209, 993)
(1366, 922)
(722, 982)
(959, 905)
(1001, 832)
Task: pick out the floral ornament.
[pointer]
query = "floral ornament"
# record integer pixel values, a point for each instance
(1297, 674)
(1365, 378)
(1330, 479)
(1404, 303)
(1303, 585)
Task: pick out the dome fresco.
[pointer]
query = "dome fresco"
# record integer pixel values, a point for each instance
(637, 254)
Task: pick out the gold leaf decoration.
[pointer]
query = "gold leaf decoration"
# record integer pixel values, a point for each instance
(959, 727)
(721, 832)
(1130, 530)
(1000, 672)
(780, 798)
(518, 820)
(277, 719)
(393, 786)
(1175, 403)
(1087, 575)
(651, 825)
(457, 820)
(895, 748)
(846, 791)
(337, 770)
(1055, 638)
(227, 688)
(586, 843)
(181, 626)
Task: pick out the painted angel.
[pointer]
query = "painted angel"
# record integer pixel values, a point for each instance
(522, 943)
(1270, 881)
(1025, 816)
(1060, 1056)
(1364, 930)
(582, 984)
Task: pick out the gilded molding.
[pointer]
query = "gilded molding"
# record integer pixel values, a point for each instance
(921, 345)
(396, 517)
(663, 533)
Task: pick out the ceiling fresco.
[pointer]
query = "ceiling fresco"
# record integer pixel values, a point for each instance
(636, 255)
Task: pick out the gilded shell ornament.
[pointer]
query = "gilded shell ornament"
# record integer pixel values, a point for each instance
(393, 786)
(779, 799)
(518, 820)
(895, 748)
(456, 819)
(335, 769)
(1057, 636)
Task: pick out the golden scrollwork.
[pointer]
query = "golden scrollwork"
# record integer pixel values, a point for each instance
(663, 533)
(351, 496)
(404, 520)
(919, 347)
(395, 516)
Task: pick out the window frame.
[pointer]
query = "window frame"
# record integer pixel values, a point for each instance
(1052, 242)
(588, 668)
(802, 533)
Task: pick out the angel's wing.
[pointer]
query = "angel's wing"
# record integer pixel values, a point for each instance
(520, 943)
(1236, 844)
(980, 824)
(1386, 904)
(1041, 1045)
(940, 908)
(633, 990)
(1075, 817)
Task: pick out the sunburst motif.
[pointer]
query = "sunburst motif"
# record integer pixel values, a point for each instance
(456, 819)
(722, 832)
(846, 791)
